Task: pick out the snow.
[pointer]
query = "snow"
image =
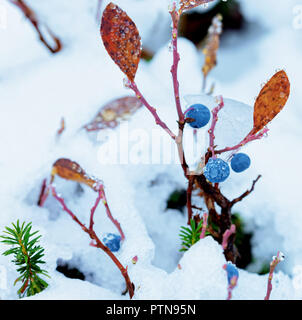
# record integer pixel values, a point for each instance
(37, 89)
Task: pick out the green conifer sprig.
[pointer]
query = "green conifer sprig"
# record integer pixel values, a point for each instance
(190, 235)
(27, 257)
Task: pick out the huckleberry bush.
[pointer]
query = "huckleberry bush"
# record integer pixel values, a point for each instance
(123, 43)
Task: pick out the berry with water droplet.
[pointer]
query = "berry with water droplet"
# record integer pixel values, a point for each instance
(201, 115)
(112, 241)
(240, 162)
(216, 170)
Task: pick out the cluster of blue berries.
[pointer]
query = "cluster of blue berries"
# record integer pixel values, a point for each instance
(216, 170)
(112, 241)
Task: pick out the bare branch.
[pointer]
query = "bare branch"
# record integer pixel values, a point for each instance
(245, 194)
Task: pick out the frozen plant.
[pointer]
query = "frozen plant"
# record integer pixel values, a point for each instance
(27, 257)
(70, 170)
(123, 43)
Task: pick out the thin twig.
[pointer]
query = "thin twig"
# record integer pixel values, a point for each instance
(213, 125)
(204, 225)
(227, 234)
(176, 58)
(109, 214)
(189, 199)
(29, 13)
(132, 85)
(174, 71)
(62, 127)
(92, 211)
(245, 194)
(43, 193)
(273, 265)
(249, 138)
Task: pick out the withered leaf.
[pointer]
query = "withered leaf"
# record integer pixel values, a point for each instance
(71, 170)
(113, 113)
(212, 45)
(190, 4)
(121, 39)
(271, 100)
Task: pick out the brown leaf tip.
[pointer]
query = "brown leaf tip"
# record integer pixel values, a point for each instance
(121, 39)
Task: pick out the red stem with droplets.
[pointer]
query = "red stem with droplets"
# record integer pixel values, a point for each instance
(250, 137)
(213, 125)
(132, 85)
(273, 266)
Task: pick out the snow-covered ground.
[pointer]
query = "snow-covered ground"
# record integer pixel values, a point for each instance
(37, 89)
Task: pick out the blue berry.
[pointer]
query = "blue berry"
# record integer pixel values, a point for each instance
(232, 272)
(240, 162)
(112, 241)
(216, 170)
(201, 115)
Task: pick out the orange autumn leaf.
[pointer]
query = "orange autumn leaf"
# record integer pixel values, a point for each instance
(121, 39)
(212, 45)
(71, 170)
(113, 113)
(271, 100)
(190, 4)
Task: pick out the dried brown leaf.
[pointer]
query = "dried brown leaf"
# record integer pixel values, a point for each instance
(121, 39)
(71, 170)
(212, 45)
(113, 113)
(190, 4)
(271, 100)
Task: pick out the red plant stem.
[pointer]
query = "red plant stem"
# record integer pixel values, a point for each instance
(273, 265)
(250, 137)
(189, 199)
(181, 117)
(114, 221)
(176, 59)
(43, 193)
(28, 12)
(231, 287)
(95, 238)
(213, 125)
(92, 211)
(226, 236)
(204, 225)
(62, 127)
(132, 85)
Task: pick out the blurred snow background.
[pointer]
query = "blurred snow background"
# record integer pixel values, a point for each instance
(37, 89)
